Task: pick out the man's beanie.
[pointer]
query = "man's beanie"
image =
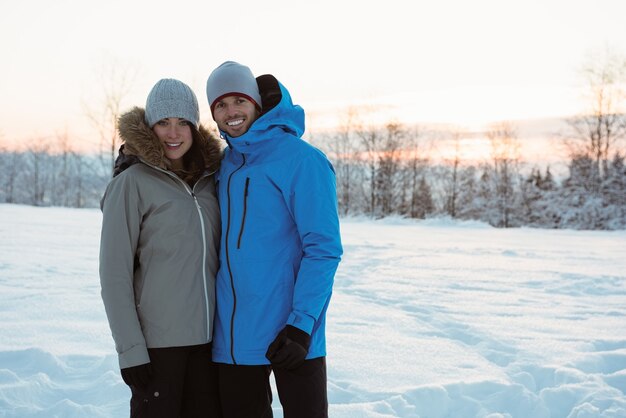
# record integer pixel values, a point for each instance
(171, 98)
(232, 79)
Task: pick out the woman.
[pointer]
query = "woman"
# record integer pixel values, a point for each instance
(158, 255)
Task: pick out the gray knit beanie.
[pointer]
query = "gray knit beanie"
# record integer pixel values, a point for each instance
(171, 98)
(232, 79)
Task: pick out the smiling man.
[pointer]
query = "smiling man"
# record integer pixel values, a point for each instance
(279, 250)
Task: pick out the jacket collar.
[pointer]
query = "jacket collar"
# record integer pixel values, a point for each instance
(140, 141)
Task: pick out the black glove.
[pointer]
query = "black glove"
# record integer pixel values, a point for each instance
(289, 349)
(137, 376)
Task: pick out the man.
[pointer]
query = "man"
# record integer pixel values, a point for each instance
(279, 251)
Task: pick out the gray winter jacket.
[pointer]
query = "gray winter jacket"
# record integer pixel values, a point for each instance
(159, 247)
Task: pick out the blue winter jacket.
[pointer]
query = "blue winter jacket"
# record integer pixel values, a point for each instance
(280, 244)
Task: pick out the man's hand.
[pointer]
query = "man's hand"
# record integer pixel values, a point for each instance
(289, 349)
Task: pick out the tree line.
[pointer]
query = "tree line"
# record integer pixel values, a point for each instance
(387, 170)
(383, 171)
(51, 173)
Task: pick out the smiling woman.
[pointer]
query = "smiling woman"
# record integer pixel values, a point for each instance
(158, 254)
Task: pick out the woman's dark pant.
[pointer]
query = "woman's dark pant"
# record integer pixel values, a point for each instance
(184, 385)
(245, 391)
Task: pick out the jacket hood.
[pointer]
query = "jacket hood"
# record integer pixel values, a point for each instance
(140, 141)
(285, 114)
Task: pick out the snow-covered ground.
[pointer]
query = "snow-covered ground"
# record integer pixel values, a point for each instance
(429, 319)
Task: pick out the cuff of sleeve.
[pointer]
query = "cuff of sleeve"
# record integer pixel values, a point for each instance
(304, 322)
(134, 357)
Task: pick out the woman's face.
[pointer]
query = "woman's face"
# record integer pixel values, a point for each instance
(175, 137)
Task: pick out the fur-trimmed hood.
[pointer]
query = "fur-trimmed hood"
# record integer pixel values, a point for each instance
(141, 142)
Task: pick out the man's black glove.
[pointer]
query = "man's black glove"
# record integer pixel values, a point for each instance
(137, 376)
(289, 349)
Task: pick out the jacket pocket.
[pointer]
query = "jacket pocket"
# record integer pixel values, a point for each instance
(245, 210)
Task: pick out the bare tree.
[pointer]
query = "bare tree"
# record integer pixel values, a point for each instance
(68, 174)
(61, 175)
(38, 171)
(371, 142)
(388, 181)
(451, 185)
(116, 80)
(79, 195)
(10, 161)
(343, 153)
(505, 154)
(414, 163)
(596, 132)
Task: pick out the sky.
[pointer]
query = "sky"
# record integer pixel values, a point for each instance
(428, 319)
(451, 61)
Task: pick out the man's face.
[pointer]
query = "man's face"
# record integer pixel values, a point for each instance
(234, 115)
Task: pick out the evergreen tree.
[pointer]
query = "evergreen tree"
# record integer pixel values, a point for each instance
(531, 190)
(540, 200)
(614, 192)
(425, 204)
(485, 202)
(466, 207)
(580, 198)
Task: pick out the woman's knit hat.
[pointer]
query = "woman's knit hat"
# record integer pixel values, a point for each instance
(232, 79)
(171, 98)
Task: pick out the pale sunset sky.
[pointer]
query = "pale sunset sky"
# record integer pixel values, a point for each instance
(452, 61)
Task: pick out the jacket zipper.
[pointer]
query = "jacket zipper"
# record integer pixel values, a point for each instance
(204, 242)
(230, 272)
(245, 208)
(204, 263)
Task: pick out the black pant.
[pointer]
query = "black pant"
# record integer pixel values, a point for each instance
(184, 385)
(245, 391)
